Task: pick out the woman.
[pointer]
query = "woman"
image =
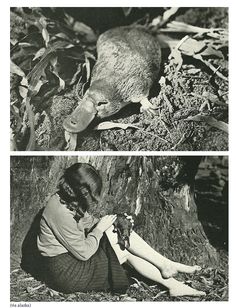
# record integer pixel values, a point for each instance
(81, 253)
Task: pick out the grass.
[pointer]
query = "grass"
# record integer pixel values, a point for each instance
(214, 281)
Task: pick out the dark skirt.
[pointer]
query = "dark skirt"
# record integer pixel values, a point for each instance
(102, 272)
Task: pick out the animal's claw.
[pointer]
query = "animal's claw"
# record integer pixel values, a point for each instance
(148, 107)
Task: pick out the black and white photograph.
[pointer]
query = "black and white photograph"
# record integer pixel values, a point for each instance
(119, 228)
(118, 175)
(119, 78)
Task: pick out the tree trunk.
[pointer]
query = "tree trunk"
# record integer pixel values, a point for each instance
(159, 190)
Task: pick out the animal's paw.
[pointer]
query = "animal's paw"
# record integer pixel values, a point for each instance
(130, 218)
(148, 107)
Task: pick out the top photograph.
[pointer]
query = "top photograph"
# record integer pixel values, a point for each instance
(119, 79)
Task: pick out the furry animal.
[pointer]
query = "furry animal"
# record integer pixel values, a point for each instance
(128, 63)
(123, 226)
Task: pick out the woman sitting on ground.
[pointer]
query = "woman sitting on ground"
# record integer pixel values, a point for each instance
(81, 252)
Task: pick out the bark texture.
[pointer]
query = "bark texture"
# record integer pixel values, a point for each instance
(158, 190)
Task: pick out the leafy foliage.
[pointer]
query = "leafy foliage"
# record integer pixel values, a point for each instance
(47, 61)
(55, 55)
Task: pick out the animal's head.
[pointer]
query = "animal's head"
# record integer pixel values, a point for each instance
(99, 101)
(123, 226)
(81, 117)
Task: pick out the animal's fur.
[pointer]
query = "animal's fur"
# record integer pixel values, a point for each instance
(128, 64)
(123, 226)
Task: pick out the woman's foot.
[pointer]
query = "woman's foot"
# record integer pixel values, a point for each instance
(173, 268)
(184, 290)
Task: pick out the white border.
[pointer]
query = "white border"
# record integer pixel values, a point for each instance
(5, 153)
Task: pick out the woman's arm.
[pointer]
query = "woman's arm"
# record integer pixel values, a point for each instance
(89, 221)
(71, 235)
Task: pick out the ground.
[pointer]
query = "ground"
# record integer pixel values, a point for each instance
(192, 91)
(213, 281)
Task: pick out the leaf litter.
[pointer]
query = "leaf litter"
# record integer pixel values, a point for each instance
(197, 55)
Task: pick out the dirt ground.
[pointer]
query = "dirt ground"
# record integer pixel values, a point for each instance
(192, 91)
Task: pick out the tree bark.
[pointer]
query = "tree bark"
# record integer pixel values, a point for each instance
(159, 190)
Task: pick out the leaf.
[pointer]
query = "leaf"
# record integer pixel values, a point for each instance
(13, 146)
(45, 34)
(71, 140)
(210, 121)
(76, 74)
(15, 69)
(181, 27)
(159, 294)
(167, 15)
(88, 71)
(110, 125)
(38, 87)
(53, 293)
(193, 71)
(32, 289)
(176, 58)
(23, 88)
(39, 53)
(210, 51)
(89, 55)
(63, 36)
(56, 73)
(191, 46)
(37, 72)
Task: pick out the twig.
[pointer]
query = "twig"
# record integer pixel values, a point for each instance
(31, 289)
(179, 142)
(211, 67)
(151, 134)
(26, 279)
(167, 129)
(15, 271)
(142, 284)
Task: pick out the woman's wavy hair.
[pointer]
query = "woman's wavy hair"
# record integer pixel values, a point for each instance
(79, 186)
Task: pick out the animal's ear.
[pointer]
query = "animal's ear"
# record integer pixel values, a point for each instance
(81, 117)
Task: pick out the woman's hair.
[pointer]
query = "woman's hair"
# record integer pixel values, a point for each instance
(78, 187)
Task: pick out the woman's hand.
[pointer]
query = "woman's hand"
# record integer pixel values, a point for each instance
(106, 222)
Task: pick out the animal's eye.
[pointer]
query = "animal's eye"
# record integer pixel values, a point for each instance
(102, 103)
(84, 191)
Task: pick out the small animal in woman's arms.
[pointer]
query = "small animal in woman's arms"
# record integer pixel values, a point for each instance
(128, 63)
(123, 226)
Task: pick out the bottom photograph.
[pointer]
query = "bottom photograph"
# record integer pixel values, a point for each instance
(119, 228)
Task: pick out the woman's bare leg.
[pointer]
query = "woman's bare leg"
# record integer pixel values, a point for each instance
(167, 267)
(175, 287)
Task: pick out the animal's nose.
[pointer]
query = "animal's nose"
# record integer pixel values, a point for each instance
(70, 124)
(80, 118)
(73, 122)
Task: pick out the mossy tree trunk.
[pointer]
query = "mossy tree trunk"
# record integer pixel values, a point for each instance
(158, 190)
